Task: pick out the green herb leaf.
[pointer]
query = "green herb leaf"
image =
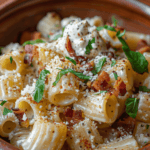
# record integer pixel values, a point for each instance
(113, 63)
(100, 92)
(57, 36)
(99, 28)
(114, 21)
(144, 89)
(49, 36)
(72, 60)
(63, 30)
(137, 60)
(40, 85)
(89, 46)
(115, 75)
(65, 71)
(31, 65)
(3, 102)
(132, 106)
(100, 64)
(1, 50)
(109, 28)
(11, 59)
(115, 49)
(119, 35)
(94, 71)
(33, 42)
(6, 111)
(147, 126)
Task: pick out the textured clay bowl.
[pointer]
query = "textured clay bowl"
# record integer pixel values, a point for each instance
(19, 15)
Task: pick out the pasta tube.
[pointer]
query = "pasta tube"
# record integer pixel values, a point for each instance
(7, 122)
(128, 143)
(66, 91)
(83, 135)
(141, 133)
(19, 135)
(143, 113)
(11, 86)
(124, 70)
(46, 136)
(16, 65)
(31, 107)
(102, 107)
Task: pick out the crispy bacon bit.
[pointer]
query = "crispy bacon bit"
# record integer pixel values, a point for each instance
(29, 49)
(35, 52)
(127, 123)
(141, 43)
(144, 49)
(26, 36)
(19, 114)
(102, 83)
(120, 87)
(73, 116)
(69, 48)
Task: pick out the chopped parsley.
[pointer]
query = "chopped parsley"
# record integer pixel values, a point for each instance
(100, 92)
(89, 46)
(115, 75)
(132, 106)
(113, 63)
(11, 59)
(3, 102)
(114, 21)
(72, 60)
(33, 42)
(6, 111)
(65, 71)
(40, 85)
(147, 126)
(144, 89)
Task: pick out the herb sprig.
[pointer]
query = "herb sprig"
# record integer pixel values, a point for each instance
(6, 111)
(3, 102)
(89, 46)
(72, 60)
(33, 42)
(40, 85)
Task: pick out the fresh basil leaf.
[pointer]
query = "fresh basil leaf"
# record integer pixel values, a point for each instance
(109, 28)
(31, 65)
(114, 21)
(3, 102)
(137, 60)
(100, 92)
(40, 85)
(99, 28)
(57, 36)
(6, 111)
(147, 126)
(72, 60)
(115, 75)
(11, 59)
(144, 89)
(132, 106)
(89, 46)
(113, 63)
(49, 36)
(33, 42)
(65, 71)
(100, 64)
(119, 35)
(63, 30)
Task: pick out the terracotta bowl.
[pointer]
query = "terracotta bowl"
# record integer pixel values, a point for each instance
(19, 15)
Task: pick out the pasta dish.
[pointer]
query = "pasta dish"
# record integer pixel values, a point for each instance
(76, 85)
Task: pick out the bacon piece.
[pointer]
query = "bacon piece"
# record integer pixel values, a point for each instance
(19, 114)
(147, 147)
(73, 116)
(102, 83)
(144, 49)
(141, 43)
(29, 49)
(120, 87)
(69, 48)
(26, 36)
